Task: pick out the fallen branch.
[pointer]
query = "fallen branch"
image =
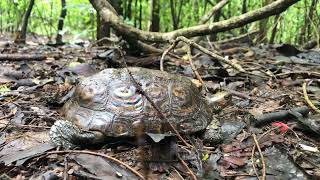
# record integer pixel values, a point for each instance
(283, 116)
(22, 57)
(309, 123)
(213, 10)
(109, 16)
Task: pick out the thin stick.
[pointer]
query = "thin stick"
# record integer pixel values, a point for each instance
(194, 69)
(65, 173)
(162, 117)
(304, 73)
(7, 116)
(235, 66)
(253, 161)
(306, 97)
(165, 53)
(102, 155)
(261, 156)
(194, 177)
(254, 149)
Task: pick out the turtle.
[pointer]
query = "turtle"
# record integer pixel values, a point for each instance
(109, 105)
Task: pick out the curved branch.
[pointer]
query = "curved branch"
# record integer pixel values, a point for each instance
(103, 8)
(214, 9)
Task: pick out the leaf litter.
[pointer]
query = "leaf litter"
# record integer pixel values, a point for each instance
(32, 93)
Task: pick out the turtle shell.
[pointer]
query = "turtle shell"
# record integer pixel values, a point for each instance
(109, 102)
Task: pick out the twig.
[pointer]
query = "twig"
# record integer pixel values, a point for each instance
(254, 149)
(302, 73)
(213, 55)
(267, 72)
(253, 162)
(262, 159)
(306, 97)
(7, 116)
(102, 39)
(65, 173)
(165, 53)
(102, 155)
(178, 174)
(240, 38)
(194, 69)
(193, 176)
(261, 156)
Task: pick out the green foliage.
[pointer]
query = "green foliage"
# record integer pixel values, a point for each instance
(81, 17)
(80, 20)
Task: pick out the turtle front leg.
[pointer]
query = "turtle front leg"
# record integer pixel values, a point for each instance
(67, 135)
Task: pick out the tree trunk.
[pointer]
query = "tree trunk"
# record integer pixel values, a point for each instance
(135, 16)
(103, 29)
(274, 30)
(179, 12)
(173, 15)
(263, 26)
(310, 18)
(117, 6)
(196, 10)
(216, 18)
(140, 14)
(22, 34)
(128, 11)
(63, 14)
(244, 10)
(1, 18)
(155, 16)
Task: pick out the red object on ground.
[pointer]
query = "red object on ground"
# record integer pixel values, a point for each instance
(283, 127)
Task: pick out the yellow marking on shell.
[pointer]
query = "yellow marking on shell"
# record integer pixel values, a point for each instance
(179, 92)
(123, 92)
(185, 110)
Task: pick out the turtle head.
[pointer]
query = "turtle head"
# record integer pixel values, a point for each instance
(219, 100)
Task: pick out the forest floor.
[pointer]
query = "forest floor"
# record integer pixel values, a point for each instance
(267, 130)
